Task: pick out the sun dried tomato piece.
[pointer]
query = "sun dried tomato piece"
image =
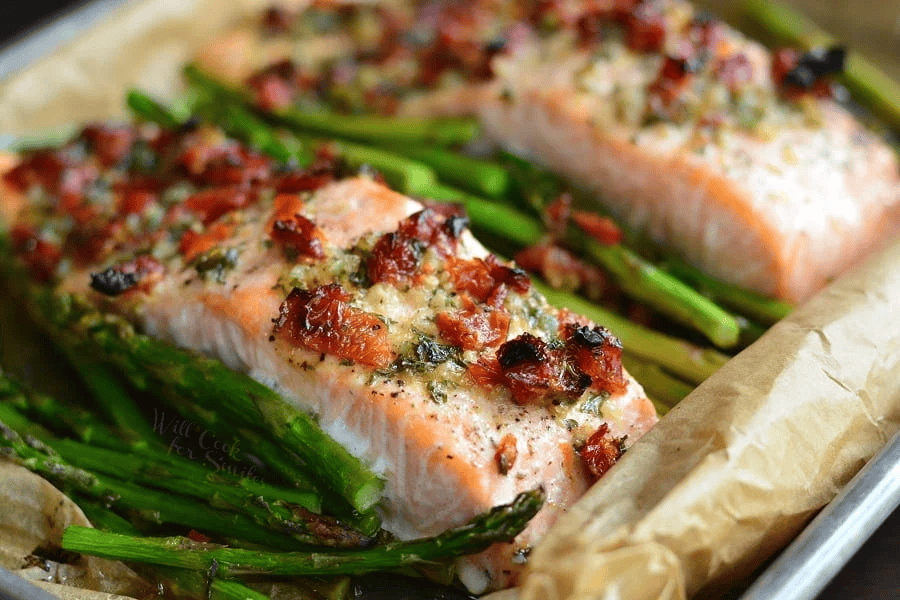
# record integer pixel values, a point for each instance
(480, 278)
(40, 256)
(326, 168)
(110, 143)
(486, 372)
(211, 204)
(94, 240)
(135, 201)
(563, 270)
(506, 454)
(194, 244)
(278, 20)
(322, 320)
(645, 29)
(535, 373)
(666, 88)
(602, 229)
(395, 259)
(44, 167)
(600, 452)
(471, 328)
(299, 235)
(277, 85)
(598, 353)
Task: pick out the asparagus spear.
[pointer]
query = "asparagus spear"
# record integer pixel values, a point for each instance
(207, 382)
(691, 362)
(502, 523)
(475, 175)
(869, 84)
(756, 306)
(158, 506)
(374, 129)
(148, 109)
(664, 390)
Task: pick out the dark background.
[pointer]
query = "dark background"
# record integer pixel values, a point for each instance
(874, 573)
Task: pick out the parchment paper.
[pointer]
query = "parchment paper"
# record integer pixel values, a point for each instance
(726, 479)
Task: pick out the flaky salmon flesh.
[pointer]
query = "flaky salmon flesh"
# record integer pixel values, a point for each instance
(434, 362)
(675, 123)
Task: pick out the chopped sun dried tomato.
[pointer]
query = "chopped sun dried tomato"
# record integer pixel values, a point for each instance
(194, 244)
(486, 372)
(673, 77)
(481, 277)
(535, 373)
(44, 167)
(111, 144)
(598, 353)
(471, 328)
(322, 320)
(600, 452)
(198, 537)
(506, 454)
(135, 201)
(277, 85)
(300, 235)
(602, 229)
(395, 259)
(278, 20)
(563, 270)
(645, 29)
(40, 256)
(212, 203)
(326, 168)
(94, 240)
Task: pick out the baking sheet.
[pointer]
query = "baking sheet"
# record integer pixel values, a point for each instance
(694, 507)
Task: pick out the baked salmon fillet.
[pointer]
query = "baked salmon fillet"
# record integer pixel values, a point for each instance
(421, 353)
(736, 159)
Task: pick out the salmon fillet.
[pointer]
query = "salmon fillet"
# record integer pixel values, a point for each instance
(422, 354)
(677, 125)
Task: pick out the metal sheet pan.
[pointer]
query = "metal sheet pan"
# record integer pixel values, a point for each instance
(801, 572)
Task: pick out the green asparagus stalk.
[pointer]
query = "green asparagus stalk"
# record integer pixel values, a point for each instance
(756, 306)
(148, 109)
(179, 582)
(690, 362)
(475, 175)
(371, 129)
(868, 84)
(646, 283)
(502, 523)
(158, 506)
(114, 399)
(213, 386)
(664, 390)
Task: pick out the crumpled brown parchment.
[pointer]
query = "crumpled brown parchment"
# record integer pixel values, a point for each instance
(724, 481)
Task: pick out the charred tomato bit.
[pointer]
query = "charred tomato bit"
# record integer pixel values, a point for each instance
(193, 244)
(600, 452)
(535, 373)
(40, 256)
(797, 74)
(111, 144)
(278, 20)
(43, 167)
(139, 273)
(322, 320)
(645, 29)
(666, 88)
(212, 203)
(481, 278)
(94, 240)
(472, 328)
(326, 168)
(394, 260)
(602, 229)
(597, 353)
(506, 454)
(298, 236)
